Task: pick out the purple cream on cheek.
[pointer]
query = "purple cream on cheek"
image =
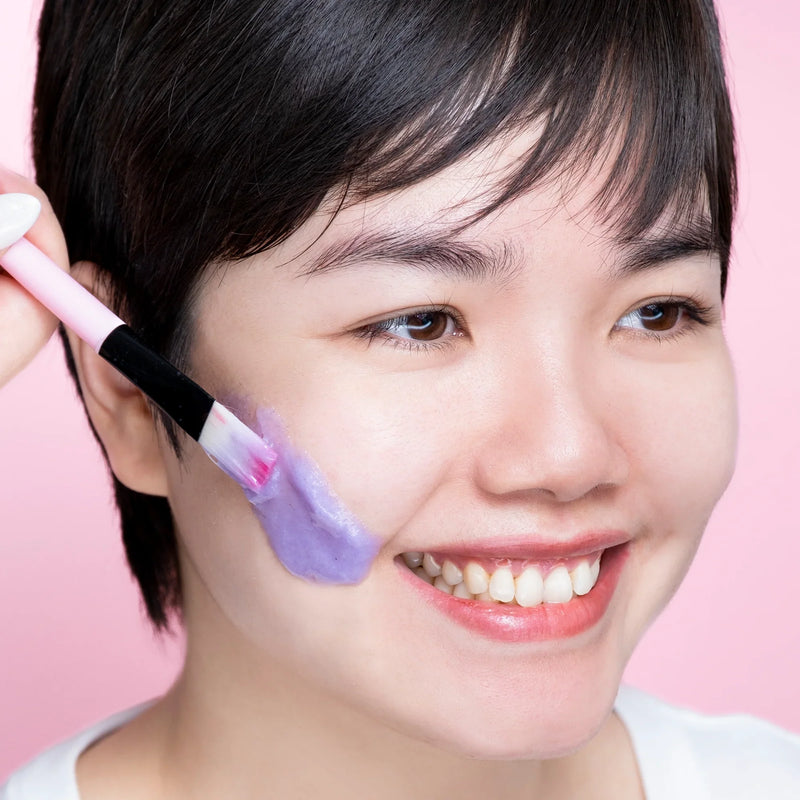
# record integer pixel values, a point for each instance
(311, 532)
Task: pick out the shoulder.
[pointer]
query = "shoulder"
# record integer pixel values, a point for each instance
(51, 775)
(729, 756)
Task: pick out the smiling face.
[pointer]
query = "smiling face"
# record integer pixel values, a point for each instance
(518, 399)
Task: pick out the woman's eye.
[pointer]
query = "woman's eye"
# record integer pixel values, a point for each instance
(662, 317)
(429, 327)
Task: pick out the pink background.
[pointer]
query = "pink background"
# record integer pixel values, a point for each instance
(74, 645)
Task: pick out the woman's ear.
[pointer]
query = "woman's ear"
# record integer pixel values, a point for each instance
(119, 411)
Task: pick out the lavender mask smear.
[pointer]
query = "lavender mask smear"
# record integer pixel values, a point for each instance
(311, 532)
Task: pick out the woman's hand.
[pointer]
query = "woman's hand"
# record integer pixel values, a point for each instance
(25, 325)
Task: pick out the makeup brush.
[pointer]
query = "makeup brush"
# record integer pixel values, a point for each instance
(234, 447)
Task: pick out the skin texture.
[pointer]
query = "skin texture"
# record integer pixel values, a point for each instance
(546, 414)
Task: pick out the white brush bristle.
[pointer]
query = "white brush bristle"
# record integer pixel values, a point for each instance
(236, 449)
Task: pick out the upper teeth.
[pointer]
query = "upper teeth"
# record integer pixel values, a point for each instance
(529, 588)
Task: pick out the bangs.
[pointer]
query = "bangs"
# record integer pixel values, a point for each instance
(638, 88)
(631, 88)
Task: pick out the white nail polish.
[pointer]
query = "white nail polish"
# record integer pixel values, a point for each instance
(17, 213)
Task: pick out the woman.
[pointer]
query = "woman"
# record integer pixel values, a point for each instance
(472, 260)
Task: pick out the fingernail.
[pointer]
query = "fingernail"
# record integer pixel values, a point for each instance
(18, 212)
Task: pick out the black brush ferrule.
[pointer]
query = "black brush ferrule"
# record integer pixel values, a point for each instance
(172, 391)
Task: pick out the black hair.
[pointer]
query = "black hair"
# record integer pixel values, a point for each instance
(172, 136)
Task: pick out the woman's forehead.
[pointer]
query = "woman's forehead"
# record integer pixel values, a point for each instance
(523, 238)
(442, 220)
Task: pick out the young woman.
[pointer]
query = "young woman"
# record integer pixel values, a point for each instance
(467, 260)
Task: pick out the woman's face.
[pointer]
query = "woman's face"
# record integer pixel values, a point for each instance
(516, 398)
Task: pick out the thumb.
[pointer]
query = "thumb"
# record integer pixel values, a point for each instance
(18, 212)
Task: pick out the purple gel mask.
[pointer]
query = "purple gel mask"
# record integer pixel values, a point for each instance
(311, 532)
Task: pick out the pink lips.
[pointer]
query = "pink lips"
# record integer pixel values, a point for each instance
(545, 622)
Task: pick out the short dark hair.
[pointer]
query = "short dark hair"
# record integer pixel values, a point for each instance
(171, 136)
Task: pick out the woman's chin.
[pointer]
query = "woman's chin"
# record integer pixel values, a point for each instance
(542, 744)
(546, 733)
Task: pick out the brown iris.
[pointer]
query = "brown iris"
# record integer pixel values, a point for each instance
(660, 316)
(425, 326)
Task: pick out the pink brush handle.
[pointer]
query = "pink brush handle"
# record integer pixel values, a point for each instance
(76, 307)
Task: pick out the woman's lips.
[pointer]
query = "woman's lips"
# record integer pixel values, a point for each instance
(547, 621)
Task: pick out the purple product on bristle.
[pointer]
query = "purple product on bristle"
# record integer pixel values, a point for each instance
(311, 532)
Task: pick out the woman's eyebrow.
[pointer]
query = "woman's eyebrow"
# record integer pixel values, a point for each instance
(421, 250)
(480, 262)
(654, 250)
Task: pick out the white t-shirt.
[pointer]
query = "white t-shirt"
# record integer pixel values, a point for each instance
(682, 755)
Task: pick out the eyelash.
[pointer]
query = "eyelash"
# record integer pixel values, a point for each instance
(693, 315)
(696, 314)
(380, 330)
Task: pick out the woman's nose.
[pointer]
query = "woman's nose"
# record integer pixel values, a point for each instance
(554, 432)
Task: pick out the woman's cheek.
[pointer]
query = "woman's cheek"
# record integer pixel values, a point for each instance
(706, 442)
(385, 439)
(383, 457)
(686, 448)
(682, 457)
(677, 405)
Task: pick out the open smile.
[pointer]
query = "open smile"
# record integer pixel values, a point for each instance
(519, 599)
(506, 580)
